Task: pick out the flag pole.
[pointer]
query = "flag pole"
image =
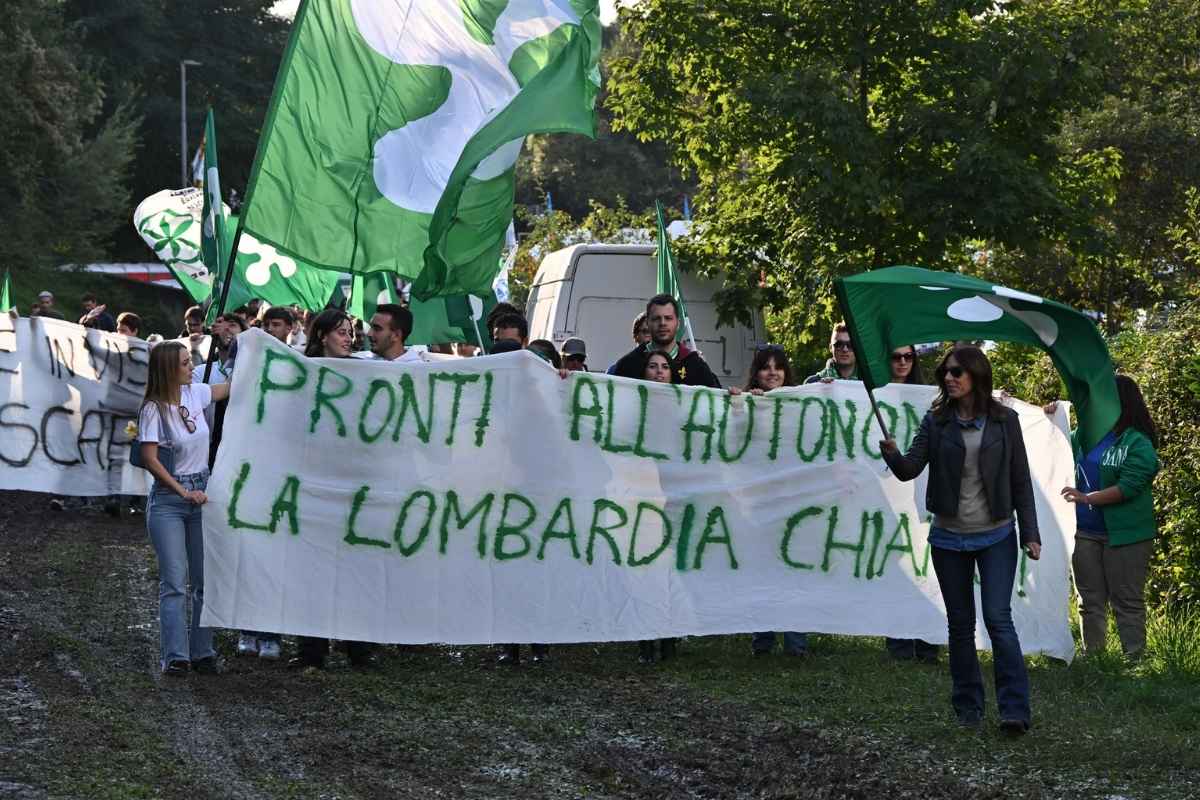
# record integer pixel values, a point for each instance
(212, 350)
(875, 408)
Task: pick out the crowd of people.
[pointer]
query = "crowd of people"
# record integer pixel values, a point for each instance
(979, 491)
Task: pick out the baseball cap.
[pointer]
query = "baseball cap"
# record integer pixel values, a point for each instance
(574, 347)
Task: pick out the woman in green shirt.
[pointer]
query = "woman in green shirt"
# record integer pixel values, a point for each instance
(1115, 527)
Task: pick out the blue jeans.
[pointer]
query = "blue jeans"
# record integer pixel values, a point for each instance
(793, 642)
(178, 539)
(997, 568)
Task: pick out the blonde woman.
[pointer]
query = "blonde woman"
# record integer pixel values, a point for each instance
(174, 439)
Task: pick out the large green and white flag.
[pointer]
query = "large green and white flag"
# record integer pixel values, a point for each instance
(668, 277)
(395, 126)
(170, 222)
(896, 306)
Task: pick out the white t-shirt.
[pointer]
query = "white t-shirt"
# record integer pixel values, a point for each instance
(191, 449)
(409, 356)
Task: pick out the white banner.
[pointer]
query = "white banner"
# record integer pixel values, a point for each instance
(66, 395)
(487, 500)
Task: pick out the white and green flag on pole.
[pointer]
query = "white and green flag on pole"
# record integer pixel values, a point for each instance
(668, 278)
(214, 243)
(896, 306)
(171, 221)
(395, 126)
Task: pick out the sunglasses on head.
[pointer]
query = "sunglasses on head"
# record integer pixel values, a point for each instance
(774, 348)
(956, 372)
(186, 416)
(902, 356)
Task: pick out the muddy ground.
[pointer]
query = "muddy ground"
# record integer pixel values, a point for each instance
(85, 713)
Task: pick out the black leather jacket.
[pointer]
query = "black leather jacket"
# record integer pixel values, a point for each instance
(1002, 463)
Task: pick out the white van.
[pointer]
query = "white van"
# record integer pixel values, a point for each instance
(594, 292)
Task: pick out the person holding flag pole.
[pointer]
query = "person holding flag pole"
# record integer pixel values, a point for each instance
(888, 308)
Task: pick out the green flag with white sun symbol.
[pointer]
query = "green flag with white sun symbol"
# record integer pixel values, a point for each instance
(897, 306)
(395, 126)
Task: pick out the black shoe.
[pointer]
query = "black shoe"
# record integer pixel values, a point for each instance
(511, 656)
(206, 666)
(646, 652)
(666, 649)
(1014, 727)
(541, 653)
(176, 669)
(970, 720)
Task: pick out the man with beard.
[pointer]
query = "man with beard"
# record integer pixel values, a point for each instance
(688, 366)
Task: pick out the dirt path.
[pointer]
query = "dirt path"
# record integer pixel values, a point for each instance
(84, 713)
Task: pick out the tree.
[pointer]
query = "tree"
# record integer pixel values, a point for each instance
(831, 136)
(138, 44)
(1146, 131)
(613, 168)
(62, 177)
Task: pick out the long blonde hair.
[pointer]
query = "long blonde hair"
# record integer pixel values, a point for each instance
(162, 383)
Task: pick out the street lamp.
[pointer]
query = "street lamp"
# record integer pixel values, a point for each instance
(183, 145)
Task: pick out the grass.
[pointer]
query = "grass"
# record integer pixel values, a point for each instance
(1133, 726)
(592, 723)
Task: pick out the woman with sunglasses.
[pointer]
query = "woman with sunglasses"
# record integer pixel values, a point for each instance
(172, 421)
(978, 479)
(769, 370)
(329, 335)
(906, 368)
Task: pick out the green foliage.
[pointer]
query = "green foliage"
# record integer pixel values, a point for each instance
(64, 164)
(1166, 365)
(614, 168)
(136, 47)
(559, 229)
(830, 137)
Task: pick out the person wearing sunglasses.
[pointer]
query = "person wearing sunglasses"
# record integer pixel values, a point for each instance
(841, 364)
(172, 420)
(978, 479)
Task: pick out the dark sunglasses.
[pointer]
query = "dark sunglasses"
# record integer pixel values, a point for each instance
(186, 416)
(956, 372)
(843, 346)
(773, 348)
(902, 356)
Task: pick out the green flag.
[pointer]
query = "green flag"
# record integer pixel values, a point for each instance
(896, 306)
(394, 128)
(449, 319)
(369, 291)
(215, 246)
(6, 301)
(169, 222)
(668, 278)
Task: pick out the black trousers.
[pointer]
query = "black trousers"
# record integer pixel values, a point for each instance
(313, 650)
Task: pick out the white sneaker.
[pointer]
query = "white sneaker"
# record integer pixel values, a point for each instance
(268, 649)
(247, 645)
